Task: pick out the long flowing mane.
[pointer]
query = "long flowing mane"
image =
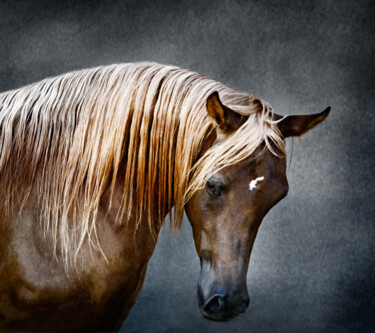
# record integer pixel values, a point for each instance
(69, 137)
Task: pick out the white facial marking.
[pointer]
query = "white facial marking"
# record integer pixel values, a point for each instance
(254, 182)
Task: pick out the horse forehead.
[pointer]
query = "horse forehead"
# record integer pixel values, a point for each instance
(254, 182)
(265, 165)
(255, 163)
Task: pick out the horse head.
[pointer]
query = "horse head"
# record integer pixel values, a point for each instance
(226, 213)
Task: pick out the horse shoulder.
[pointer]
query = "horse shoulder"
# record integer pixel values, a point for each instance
(99, 290)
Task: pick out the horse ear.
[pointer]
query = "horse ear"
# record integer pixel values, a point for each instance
(225, 118)
(300, 125)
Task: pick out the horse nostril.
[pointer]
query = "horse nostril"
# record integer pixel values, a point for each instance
(224, 306)
(214, 304)
(242, 308)
(244, 305)
(247, 301)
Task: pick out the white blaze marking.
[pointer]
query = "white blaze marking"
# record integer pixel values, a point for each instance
(254, 182)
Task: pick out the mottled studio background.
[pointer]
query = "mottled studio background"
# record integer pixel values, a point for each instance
(312, 267)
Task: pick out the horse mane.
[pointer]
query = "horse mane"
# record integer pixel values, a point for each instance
(68, 138)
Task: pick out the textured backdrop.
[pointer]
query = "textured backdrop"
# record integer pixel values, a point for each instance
(313, 264)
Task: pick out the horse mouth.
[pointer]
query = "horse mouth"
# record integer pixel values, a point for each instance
(217, 308)
(219, 316)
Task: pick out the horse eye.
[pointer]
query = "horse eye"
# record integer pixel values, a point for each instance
(213, 188)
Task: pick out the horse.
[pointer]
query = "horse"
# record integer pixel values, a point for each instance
(91, 164)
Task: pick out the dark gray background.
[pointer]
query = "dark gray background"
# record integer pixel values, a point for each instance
(312, 267)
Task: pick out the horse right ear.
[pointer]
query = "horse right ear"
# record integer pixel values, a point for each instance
(299, 125)
(225, 118)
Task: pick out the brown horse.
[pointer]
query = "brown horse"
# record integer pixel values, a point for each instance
(91, 163)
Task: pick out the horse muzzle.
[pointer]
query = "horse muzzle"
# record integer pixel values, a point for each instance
(220, 302)
(223, 307)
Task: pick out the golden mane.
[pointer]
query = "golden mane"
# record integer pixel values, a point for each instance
(68, 137)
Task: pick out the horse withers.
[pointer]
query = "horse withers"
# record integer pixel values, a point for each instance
(91, 163)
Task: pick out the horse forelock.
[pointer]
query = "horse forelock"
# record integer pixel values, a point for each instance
(68, 137)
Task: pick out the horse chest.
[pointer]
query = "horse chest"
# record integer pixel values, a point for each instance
(97, 294)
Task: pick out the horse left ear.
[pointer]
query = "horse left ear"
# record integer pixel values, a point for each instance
(225, 118)
(300, 125)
